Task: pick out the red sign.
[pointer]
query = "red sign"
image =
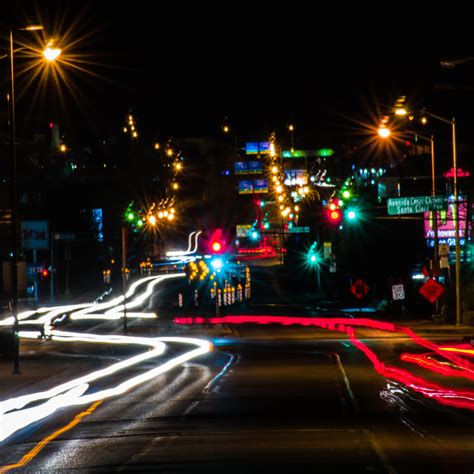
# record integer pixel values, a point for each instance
(461, 173)
(431, 290)
(359, 289)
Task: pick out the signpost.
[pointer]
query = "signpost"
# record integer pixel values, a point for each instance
(360, 289)
(443, 255)
(298, 230)
(431, 290)
(398, 292)
(35, 236)
(416, 204)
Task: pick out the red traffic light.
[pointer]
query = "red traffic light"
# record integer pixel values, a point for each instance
(216, 246)
(334, 216)
(44, 273)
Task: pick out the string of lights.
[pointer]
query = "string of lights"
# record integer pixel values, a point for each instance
(161, 212)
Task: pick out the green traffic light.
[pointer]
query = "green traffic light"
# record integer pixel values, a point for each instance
(313, 254)
(130, 216)
(346, 194)
(351, 215)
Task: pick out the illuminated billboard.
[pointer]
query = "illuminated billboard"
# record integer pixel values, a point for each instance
(260, 186)
(446, 224)
(296, 177)
(241, 167)
(255, 167)
(255, 148)
(323, 152)
(245, 186)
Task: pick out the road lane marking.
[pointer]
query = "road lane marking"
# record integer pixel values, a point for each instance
(191, 407)
(45, 441)
(232, 357)
(380, 453)
(355, 405)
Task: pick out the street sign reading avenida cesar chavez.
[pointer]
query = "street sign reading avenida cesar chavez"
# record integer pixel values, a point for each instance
(416, 204)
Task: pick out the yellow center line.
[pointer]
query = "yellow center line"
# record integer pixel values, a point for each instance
(455, 349)
(39, 447)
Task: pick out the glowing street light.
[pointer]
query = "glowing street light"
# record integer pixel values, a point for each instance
(433, 189)
(384, 132)
(49, 55)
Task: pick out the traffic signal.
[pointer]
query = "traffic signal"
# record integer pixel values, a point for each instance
(334, 212)
(254, 235)
(44, 273)
(334, 216)
(351, 215)
(312, 256)
(216, 244)
(217, 264)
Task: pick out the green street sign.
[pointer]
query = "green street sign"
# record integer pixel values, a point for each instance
(416, 204)
(298, 230)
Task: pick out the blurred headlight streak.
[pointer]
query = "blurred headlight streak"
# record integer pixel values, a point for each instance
(14, 415)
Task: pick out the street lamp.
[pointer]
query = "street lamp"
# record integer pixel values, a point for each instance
(291, 128)
(385, 132)
(452, 122)
(451, 63)
(13, 196)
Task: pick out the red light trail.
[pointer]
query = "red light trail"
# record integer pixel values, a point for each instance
(444, 395)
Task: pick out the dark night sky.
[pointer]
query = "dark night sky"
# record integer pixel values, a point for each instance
(183, 71)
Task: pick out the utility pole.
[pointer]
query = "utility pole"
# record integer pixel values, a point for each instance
(124, 277)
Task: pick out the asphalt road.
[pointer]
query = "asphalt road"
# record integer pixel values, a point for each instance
(266, 399)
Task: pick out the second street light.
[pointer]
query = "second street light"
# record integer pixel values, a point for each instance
(385, 133)
(452, 122)
(49, 54)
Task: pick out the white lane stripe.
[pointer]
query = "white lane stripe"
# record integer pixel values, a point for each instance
(207, 388)
(355, 405)
(191, 407)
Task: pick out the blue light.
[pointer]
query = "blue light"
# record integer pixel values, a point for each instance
(217, 264)
(254, 235)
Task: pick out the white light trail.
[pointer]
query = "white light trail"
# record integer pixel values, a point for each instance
(12, 422)
(181, 253)
(13, 414)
